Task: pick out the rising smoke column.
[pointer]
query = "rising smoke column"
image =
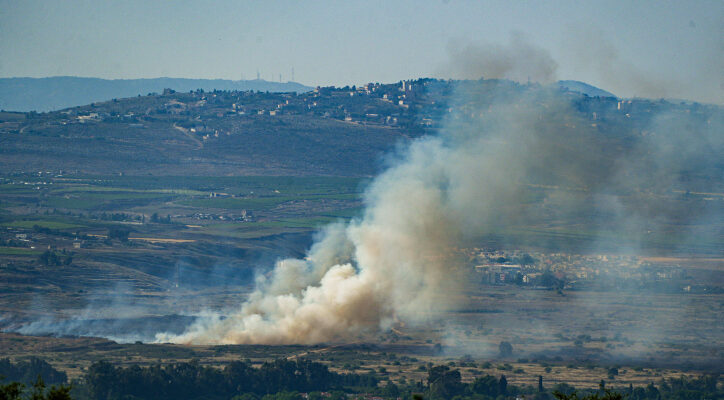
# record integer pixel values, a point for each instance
(396, 262)
(386, 266)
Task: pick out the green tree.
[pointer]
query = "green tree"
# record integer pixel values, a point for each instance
(486, 385)
(503, 385)
(49, 257)
(15, 391)
(548, 279)
(564, 388)
(506, 349)
(526, 259)
(120, 234)
(11, 391)
(606, 395)
(390, 390)
(443, 382)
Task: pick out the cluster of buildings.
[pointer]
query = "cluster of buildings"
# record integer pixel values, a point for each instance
(242, 216)
(415, 103)
(565, 270)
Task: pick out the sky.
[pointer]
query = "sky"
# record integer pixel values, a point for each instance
(672, 49)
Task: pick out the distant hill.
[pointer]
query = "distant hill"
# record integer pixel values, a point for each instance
(56, 93)
(329, 131)
(584, 88)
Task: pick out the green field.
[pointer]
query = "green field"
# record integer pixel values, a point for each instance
(261, 203)
(233, 184)
(75, 189)
(18, 251)
(92, 206)
(88, 200)
(44, 223)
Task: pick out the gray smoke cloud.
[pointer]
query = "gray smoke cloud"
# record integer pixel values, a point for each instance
(390, 265)
(591, 53)
(114, 313)
(519, 60)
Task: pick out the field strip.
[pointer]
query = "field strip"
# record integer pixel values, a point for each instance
(162, 240)
(700, 193)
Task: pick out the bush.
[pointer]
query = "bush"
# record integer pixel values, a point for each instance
(280, 378)
(120, 234)
(506, 349)
(16, 391)
(28, 372)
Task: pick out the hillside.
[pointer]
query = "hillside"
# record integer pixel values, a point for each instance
(584, 88)
(328, 131)
(55, 93)
(258, 145)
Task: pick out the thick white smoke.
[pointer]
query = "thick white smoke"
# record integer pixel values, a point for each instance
(394, 263)
(389, 265)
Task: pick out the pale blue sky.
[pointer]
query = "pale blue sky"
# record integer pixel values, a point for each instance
(644, 48)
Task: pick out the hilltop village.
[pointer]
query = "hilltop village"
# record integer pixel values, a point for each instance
(329, 131)
(414, 106)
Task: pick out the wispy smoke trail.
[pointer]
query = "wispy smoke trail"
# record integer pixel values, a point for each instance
(482, 174)
(593, 55)
(518, 60)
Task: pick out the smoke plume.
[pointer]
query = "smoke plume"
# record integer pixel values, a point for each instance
(389, 265)
(518, 60)
(510, 157)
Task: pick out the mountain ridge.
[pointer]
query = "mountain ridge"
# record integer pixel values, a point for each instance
(326, 132)
(60, 92)
(584, 88)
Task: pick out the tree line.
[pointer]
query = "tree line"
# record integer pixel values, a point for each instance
(193, 380)
(285, 379)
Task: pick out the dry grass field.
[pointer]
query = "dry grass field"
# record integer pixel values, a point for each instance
(397, 363)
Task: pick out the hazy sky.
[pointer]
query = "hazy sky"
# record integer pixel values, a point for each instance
(631, 48)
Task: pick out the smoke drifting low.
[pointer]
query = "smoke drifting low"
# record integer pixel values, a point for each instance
(510, 156)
